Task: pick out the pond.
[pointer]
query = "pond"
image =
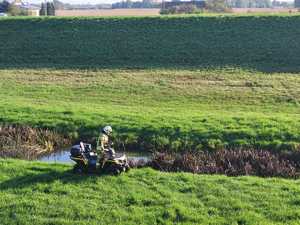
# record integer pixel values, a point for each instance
(63, 156)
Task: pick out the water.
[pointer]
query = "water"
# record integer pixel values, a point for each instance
(64, 156)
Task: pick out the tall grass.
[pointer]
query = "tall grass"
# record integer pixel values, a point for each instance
(28, 143)
(232, 162)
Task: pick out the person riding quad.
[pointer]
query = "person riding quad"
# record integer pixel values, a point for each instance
(104, 144)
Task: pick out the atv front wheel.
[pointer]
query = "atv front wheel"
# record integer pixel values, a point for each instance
(127, 168)
(116, 172)
(112, 169)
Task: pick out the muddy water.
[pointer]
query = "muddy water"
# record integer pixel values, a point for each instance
(63, 156)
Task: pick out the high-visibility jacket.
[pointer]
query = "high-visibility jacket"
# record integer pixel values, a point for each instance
(103, 142)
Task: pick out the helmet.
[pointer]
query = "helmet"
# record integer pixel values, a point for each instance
(107, 130)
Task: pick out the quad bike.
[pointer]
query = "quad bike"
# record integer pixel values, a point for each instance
(114, 164)
(88, 161)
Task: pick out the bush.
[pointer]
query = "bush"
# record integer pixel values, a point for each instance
(181, 9)
(14, 10)
(218, 6)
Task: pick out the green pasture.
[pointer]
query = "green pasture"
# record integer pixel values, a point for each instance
(264, 43)
(185, 82)
(41, 193)
(159, 109)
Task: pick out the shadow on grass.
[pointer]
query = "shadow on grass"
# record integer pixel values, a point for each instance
(39, 175)
(262, 43)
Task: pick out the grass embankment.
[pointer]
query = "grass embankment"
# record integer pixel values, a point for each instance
(163, 82)
(40, 193)
(160, 108)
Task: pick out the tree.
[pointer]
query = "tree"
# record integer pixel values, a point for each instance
(181, 9)
(129, 4)
(47, 9)
(43, 10)
(4, 5)
(147, 3)
(217, 6)
(251, 3)
(52, 9)
(13, 10)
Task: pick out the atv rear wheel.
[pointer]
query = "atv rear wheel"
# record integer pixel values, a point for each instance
(77, 169)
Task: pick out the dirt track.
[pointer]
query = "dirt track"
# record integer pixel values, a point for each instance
(108, 12)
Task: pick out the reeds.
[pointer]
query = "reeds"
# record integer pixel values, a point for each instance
(28, 143)
(233, 162)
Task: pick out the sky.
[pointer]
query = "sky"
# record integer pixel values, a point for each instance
(94, 1)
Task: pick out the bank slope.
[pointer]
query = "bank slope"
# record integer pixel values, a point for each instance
(41, 193)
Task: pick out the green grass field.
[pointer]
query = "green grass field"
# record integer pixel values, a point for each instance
(159, 108)
(187, 82)
(264, 43)
(40, 193)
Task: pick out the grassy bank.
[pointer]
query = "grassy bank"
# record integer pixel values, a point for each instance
(39, 193)
(162, 82)
(159, 109)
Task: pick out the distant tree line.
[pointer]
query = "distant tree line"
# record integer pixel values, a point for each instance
(58, 5)
(48, 8)
(221, 6)
(249, 3)
(135, 4)
(216, 6)
(283, 4)
(180, 9)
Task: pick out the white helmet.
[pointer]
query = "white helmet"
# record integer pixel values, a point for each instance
(107, 130)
